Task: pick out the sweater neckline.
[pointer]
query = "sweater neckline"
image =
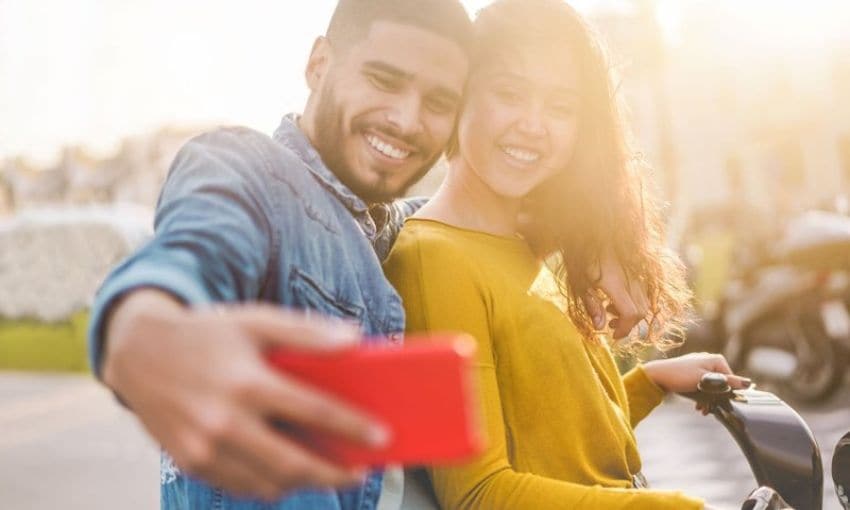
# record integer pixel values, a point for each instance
(513, 239)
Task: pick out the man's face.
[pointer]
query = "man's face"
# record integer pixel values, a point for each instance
(386, 108)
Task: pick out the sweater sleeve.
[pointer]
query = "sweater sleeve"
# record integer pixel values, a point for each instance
(643, 394)
(441, 293)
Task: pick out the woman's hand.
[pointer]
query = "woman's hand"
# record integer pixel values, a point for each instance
(682, 374)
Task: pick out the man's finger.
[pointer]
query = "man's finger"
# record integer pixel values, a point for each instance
(236, 477)
(594, 308)
(627, 316)
(639, 297)
(622, 305)
(294, 402)
(277, 326)
(284, 463)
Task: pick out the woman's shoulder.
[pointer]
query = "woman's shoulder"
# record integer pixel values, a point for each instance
(431, 261)
(434, 235)
(423, 239)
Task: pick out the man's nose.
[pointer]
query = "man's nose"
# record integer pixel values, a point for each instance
(406, 114)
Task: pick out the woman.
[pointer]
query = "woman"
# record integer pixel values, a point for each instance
(540, 138)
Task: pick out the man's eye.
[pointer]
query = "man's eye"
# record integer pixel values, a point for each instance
(508, 95)
(385, 83)
(440, 106)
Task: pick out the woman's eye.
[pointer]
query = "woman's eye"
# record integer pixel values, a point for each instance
(562, 110)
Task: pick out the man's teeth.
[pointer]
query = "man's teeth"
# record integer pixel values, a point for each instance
(386, 149)
(521, 154)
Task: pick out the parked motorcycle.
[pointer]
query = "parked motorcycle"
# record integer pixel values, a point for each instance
(783, 317)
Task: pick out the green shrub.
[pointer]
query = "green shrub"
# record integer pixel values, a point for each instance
(33, 345)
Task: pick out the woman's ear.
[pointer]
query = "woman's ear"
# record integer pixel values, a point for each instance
(318, 63)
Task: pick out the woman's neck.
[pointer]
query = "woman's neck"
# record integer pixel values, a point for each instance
(464, 200)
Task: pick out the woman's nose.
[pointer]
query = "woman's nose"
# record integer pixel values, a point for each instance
(532, 122)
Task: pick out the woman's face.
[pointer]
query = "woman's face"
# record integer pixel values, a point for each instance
(520, 121)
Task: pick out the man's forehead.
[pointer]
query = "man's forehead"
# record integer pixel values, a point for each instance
(418, 52)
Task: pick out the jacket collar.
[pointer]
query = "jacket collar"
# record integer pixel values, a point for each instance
(291, 135)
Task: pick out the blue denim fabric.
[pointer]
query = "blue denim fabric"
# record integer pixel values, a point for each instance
(244, 217)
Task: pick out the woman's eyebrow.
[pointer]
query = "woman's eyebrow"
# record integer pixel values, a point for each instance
(514, 77)
(507, 76)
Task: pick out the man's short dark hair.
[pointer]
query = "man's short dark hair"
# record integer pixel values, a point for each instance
(352, 19)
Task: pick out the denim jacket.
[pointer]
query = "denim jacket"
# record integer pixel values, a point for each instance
(244, 217)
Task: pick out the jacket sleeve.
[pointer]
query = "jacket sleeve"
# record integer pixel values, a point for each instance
(440, 292)
(212, 237)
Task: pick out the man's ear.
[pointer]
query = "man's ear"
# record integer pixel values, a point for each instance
(317, 65)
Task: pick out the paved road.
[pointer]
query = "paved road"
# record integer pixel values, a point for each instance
(64, 443)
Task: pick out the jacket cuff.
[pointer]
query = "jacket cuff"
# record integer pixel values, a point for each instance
(139, 275)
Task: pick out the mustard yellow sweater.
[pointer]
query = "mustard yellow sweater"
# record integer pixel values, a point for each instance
(559, 417)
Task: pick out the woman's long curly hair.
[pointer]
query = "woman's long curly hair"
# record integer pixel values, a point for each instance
(604, 202)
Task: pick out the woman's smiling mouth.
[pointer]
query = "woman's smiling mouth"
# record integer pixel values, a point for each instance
(521, 155)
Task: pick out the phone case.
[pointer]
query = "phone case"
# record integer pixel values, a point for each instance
(422, 391)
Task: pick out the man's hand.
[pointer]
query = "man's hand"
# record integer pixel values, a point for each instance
(683, 374)
(198, 381)
(628, 305)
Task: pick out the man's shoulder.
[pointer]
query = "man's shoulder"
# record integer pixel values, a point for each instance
(251, 143)
(253, 155)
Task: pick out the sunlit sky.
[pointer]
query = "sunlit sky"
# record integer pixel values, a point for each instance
(93, 71)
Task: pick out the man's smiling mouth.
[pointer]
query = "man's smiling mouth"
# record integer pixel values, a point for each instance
(386, 148)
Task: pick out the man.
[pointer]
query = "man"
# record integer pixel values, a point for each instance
(295, 221)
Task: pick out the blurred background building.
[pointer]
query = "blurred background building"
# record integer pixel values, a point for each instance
(727, 99)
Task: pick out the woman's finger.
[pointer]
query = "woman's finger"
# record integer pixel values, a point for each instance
(719, 364)
(737, 382)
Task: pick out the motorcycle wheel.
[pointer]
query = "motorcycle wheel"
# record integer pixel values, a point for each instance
(820, 369)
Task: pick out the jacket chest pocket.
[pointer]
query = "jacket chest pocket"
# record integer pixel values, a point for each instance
(309, 295)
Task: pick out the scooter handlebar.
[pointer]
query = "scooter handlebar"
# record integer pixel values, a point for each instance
(777, 442)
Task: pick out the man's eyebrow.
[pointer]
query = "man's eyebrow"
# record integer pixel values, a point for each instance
(441, 90)
(383, 67)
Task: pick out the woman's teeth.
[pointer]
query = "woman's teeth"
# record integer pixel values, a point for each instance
(386, 149)
(521, 154)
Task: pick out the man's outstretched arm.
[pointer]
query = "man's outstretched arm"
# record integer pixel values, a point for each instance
(194, 373)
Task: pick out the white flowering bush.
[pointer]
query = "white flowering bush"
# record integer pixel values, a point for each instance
(53, 260)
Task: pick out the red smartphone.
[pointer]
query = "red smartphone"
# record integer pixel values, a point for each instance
(422, 391)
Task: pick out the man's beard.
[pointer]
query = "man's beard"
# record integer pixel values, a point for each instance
(330, 130)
